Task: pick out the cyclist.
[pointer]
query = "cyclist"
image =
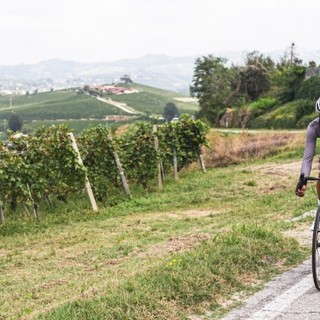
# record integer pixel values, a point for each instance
(313, 132)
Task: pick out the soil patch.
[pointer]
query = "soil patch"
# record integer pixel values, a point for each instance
(301, 233)
(193, 213)
(279, 169)
(175, 244)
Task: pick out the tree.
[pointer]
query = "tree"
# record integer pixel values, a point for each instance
(170, 111)
(126, 78)
(15, 122)
(255, 75)
(214, 85)
(254, 81)
(290, 75)
(256, 58)
(86, 88)
(290, 79)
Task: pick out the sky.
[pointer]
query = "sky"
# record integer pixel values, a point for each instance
(105, 30)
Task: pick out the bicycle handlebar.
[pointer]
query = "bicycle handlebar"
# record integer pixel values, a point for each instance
(304, 180)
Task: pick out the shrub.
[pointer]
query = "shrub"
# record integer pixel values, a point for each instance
(283, 117)
(304, 121)
(303, 108)
(310, 89)
(263, 104)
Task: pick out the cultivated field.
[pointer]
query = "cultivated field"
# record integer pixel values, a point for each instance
(66, 104)
(153, 100)
(79, 110)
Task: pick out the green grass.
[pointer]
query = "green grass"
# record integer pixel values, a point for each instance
(183, 282)
(153, 100)
(163, 255)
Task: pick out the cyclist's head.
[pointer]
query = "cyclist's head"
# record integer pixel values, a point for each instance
(317, 106)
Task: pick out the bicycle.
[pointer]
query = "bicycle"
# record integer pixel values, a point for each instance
(315, 258)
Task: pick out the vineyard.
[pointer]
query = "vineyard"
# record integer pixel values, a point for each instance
(51, 163)
(55, 105)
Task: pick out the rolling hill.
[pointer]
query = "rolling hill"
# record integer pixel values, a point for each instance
(79, 109)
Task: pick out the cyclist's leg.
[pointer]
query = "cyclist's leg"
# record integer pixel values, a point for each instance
(318, 192)
(318, 183)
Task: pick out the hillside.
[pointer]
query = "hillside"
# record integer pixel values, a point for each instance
(152, 100)
(80, 110)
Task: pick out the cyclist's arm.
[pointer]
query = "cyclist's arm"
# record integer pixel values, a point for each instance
(309, 150)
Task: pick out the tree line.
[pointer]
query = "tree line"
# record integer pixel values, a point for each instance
(220, 86)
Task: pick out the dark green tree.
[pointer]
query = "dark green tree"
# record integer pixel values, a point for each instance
(170, 111)
(215, 85)
(126, 78)
(254, 81)
(290, 79)
(15, 122)
(290, 75)
(255, 76)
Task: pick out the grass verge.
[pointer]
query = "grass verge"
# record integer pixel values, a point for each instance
(195, 281)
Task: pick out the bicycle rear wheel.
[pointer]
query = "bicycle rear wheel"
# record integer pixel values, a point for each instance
(316, 250)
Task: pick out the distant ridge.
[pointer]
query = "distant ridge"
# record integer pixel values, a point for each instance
(160, 71)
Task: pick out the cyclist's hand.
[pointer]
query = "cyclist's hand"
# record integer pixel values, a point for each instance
(301, 186)
(300, 192)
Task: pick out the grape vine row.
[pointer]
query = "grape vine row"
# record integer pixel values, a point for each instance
(44, 164)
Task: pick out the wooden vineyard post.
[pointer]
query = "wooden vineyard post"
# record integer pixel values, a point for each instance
(175, 164)
(35, 206)
(25, 209)
(162, 171)
(35, 211)
(156, 146)
(1, 215)
(203, 167)
(87, 183)
(119, 166)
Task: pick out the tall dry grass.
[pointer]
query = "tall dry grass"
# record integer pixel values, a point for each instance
(236, 148)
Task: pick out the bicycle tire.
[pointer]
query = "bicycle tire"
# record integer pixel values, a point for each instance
(316, 250)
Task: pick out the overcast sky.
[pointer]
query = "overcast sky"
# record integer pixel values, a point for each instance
(105, 30)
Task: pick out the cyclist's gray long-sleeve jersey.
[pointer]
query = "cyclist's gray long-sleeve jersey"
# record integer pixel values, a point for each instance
(313, 132)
